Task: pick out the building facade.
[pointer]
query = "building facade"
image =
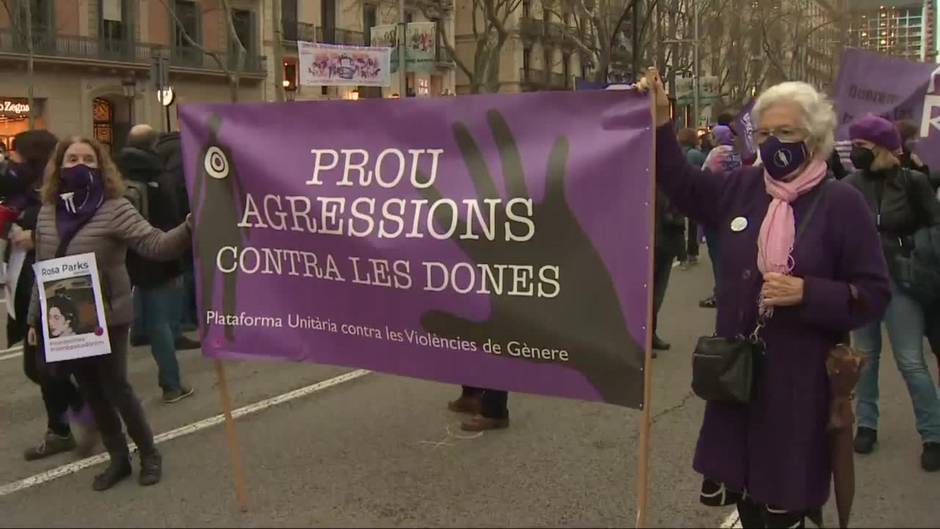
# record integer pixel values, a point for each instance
(903, 28)
(94, 60)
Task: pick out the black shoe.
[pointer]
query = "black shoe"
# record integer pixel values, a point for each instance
(659, 344)
(177, 394)
(930, 459)
(184, 343)
(116, 471)
(865, 440)
(151, 469)
(140, 341)
(51, 445)
(708, 303)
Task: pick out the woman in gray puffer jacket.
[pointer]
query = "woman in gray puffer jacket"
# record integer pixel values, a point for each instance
(84, 212)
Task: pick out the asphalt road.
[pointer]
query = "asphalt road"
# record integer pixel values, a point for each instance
(380, 450)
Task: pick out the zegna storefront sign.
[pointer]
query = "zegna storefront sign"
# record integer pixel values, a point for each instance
(14, 107)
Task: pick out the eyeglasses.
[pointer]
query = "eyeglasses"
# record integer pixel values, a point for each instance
(784, 134)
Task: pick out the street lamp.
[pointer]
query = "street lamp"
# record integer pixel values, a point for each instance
(290, 90)
(129, 86)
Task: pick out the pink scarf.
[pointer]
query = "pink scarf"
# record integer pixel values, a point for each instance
(778, 230)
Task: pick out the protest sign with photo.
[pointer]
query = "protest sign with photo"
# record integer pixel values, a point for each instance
(73, 320)
(498, 241)
(894, 88)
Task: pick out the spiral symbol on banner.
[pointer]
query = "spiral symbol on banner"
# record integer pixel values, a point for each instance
(216, 163)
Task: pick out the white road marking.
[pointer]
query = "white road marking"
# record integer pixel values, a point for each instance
(731, 521)
(12, 352)
(250, 409)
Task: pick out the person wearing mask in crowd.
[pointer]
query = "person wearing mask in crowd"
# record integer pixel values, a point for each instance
(19, 184)
(169, 149)
(722, 160)
(689, 142)
(84, 211)
(157, 284)
(799, 293)
(909, 132)
(902, 202)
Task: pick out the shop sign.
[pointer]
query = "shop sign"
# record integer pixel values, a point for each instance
(14, 107)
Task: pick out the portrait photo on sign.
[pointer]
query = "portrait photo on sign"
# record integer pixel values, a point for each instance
(70, 307)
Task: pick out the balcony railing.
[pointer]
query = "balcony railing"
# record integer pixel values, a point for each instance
(74, 47)
(119, 51)
(189, 57)
(294, 31)
(340, 36)
(541, 80)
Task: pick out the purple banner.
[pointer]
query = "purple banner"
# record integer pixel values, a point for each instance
(744, 133)
(495, 241)
(893, 88)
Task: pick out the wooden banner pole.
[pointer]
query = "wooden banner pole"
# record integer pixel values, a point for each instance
(232, 437)
(643, 450)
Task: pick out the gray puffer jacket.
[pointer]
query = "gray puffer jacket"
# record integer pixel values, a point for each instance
(116, 226)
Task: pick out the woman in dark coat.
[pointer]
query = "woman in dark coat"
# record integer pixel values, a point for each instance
(771, 456)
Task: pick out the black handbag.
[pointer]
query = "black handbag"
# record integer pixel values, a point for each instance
(723, 368)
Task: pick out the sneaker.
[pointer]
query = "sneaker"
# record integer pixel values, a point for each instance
(930, 459)
(177, 394)
(865, 440)
(151, 469)
(184, 343)
(51, 445)
(116, 471)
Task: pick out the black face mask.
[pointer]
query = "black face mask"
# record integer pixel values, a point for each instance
(862, 158)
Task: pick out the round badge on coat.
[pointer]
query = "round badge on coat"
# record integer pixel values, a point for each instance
(738, 224)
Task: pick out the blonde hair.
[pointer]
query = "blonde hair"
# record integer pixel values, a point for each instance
(816, 110)
(113, 182)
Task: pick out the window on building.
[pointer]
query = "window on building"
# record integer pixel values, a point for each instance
(409, 16)
(244, 22)
(566, 67)
(328, 20)
(369, 21)
(116, 30)
(290, 73)
(526, 8)
(103, 121)
(289, 19)
(526, 60)
(188, 14)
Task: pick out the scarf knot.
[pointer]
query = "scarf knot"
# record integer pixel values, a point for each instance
(778, 229)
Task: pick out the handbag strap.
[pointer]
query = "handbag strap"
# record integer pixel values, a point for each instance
(817, 196)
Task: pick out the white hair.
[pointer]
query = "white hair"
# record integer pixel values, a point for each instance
(818, 116)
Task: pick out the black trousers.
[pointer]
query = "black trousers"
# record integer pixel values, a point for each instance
(663, 258)
(103, 382)
(692, 239)
(494, 401)
(59, 394)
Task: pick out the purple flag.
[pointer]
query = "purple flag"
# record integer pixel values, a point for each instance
(893, 88)
(744, 131)
(497, 241)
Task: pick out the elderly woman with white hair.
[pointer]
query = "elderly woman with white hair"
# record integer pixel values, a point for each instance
(800, 254)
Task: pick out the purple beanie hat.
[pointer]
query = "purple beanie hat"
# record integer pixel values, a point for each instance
(877, 130)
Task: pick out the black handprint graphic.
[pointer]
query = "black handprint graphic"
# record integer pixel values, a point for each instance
(585, 318)
(217, 217)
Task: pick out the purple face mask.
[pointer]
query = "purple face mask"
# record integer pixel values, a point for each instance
(782, 159)
(81, 193)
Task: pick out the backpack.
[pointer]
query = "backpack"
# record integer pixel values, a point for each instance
(138, 195)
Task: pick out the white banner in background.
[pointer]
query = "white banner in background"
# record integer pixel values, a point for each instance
(331, 65)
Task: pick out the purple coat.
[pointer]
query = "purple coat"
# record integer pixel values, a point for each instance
(776, 446)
